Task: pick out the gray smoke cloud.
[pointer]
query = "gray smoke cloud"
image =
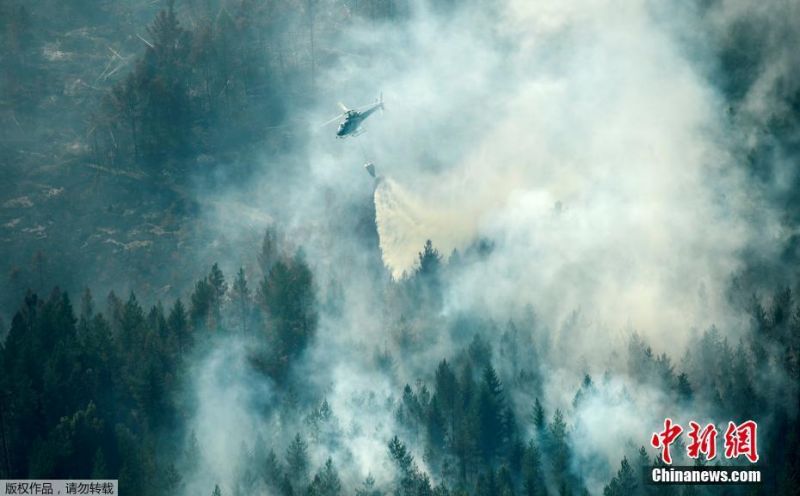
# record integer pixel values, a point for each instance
(596, 154)
(587, 141)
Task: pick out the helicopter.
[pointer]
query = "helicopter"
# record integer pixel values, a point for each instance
(351, 124)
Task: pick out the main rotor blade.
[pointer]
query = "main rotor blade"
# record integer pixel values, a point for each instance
(331, 120)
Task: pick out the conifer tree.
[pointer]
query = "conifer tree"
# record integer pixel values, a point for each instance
(297, 462)
(241, 297)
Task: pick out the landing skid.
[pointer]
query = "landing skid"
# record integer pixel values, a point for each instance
(352, 135)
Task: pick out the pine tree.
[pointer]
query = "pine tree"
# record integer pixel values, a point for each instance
(480, 351)
(273, 471)
(286, 488)
(270, 251)
(87, 305)
(430, 260)
(435, 425)
(326, 482)
(532, 475)
(241, 295)
(409, 480)
(624, 483)
(217, 281)
(170, 479)
(368, 487)
(297, 462)
(491, 408)
(641, 469)
(426, 279)
(401, 456)
(126, 102)
(558, 447)
(201, 301)
(178, 325)
(163, 79)
(114, 310)
(218, 288)
(684, 388)
(132, 325)
(447, 393)
(510, 346)
(538, 416)
(288, 297)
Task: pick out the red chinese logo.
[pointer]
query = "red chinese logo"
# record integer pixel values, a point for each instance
(739, 440)
(704, 441)
(665, 438)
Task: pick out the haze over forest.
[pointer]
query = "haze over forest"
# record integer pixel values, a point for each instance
(585, 220)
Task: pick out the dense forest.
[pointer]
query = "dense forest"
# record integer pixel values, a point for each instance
(199, 298)
(98, 393)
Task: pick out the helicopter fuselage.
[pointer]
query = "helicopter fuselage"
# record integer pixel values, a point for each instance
(351, 125)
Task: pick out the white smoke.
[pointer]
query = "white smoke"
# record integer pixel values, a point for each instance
(602, 164)
(405, 223)
(587, 141)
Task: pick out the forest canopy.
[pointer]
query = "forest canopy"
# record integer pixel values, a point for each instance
(583, 221)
